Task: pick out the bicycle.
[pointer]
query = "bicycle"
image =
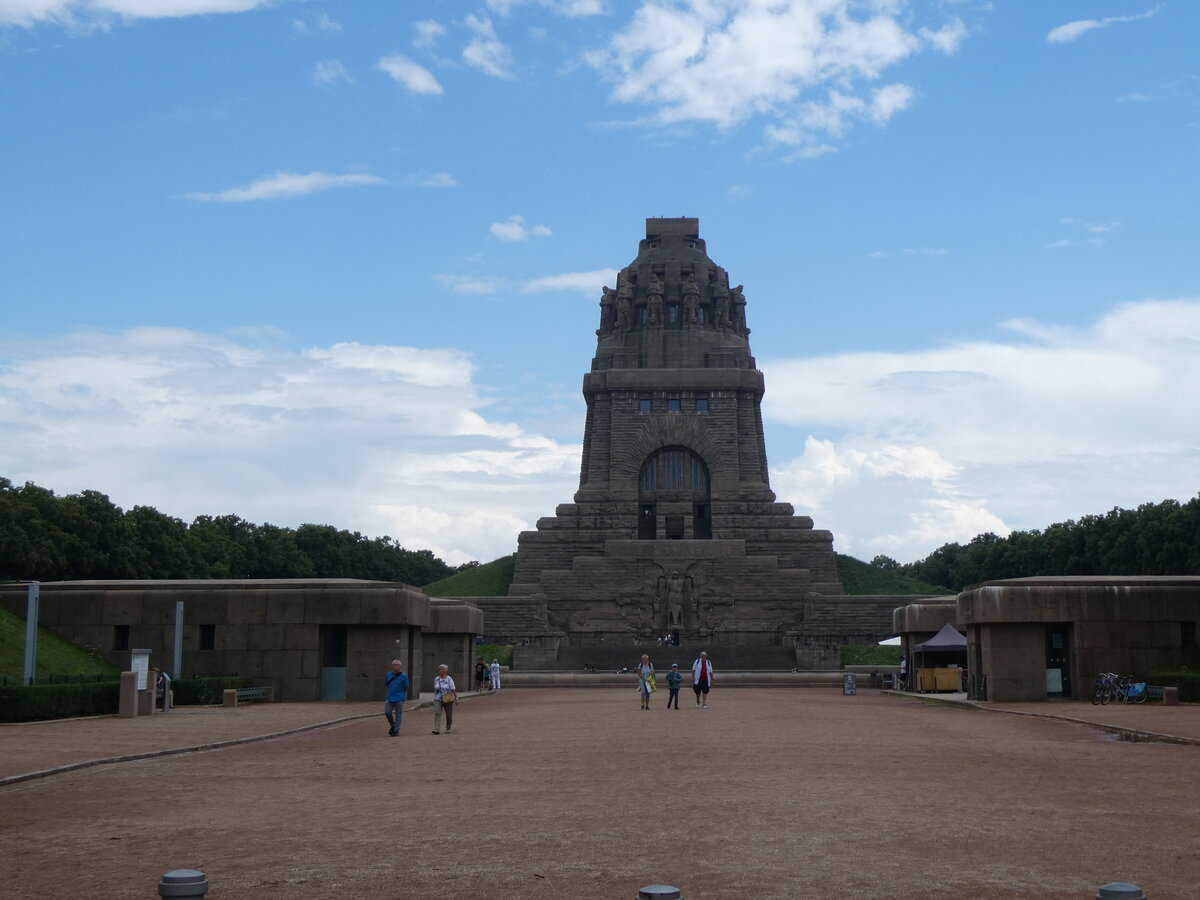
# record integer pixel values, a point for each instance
(1105, 688)
(1129, 691)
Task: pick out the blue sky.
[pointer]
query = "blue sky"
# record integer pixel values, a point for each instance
(339, 262)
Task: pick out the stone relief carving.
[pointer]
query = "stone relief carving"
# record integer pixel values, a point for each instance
(737, 300)
(691, 299)
(608, 301)
(654, 300)
(720, 295)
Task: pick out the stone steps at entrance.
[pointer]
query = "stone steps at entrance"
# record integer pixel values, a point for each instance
(725, 659)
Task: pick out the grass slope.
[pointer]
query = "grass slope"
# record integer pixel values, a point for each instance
(492, 580)
(860, 578)
(55, 656)
(487, 580)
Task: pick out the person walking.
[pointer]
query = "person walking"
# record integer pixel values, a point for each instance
(702, 679)
(445, 695)
(480, 674)
(494, 672)
(645, 674)
(397, 692)
(674, 679)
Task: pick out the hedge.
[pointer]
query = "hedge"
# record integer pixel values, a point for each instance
(205, 691)
(28, 703)
(1187, 682)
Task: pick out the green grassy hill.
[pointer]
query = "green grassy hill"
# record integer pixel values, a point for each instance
(488, 580)
(55, 656)
(492, 580)
(859, 577)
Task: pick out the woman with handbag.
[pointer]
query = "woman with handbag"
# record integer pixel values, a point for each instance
(646, 685)
(445, 695)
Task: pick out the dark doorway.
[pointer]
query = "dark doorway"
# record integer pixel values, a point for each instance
(333, 662)
(647, 523)
(1058, 661)
(701, 523)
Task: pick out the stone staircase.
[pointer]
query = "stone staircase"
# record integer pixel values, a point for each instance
(724, 659)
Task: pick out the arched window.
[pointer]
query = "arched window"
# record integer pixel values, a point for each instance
(677, 476)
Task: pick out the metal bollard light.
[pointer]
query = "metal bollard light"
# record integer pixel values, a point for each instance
(183, 884)
(659, 892)
(1119, 890)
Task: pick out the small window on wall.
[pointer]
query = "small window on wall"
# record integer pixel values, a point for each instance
(208, 637)
(673, 404)
(1187, 635)
(701, 404)
(674, 528)
(643, 406)
(120, 637)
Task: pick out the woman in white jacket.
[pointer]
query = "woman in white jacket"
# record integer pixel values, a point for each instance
(494, 671)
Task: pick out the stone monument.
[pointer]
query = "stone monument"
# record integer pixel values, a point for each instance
(674, 535)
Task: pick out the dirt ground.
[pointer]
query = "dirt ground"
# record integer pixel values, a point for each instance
(576, 793)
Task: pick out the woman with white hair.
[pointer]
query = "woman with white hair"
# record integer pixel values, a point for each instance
(445, 695)
(494, 671)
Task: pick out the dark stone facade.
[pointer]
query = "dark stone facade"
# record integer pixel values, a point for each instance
(674, 529)
(310, 639)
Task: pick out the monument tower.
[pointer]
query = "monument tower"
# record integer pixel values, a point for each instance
(674, 529)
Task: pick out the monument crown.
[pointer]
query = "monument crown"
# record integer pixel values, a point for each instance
(672, 307)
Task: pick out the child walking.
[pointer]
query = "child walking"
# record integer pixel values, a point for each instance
(673, 682)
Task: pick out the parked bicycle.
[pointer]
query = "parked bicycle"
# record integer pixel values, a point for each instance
(1106, 689)
(1111, 686)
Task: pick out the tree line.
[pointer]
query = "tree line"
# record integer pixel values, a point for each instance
(1154, 539)
(44, 537)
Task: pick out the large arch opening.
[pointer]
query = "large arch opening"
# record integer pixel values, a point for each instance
(674, 485)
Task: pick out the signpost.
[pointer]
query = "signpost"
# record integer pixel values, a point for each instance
(849, 686)
(31, 622)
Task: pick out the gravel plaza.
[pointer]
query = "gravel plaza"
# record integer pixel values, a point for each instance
(565, 793)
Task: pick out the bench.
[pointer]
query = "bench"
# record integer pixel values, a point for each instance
(233, 696)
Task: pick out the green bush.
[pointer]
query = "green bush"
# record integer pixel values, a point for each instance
(502, 653)
(29, 703)
(1187, 682)
(870, 655)
(205, 691)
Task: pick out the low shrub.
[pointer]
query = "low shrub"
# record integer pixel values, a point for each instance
(502, 653)
(31, 703)
(205, 691)
(870, 655)
(1187, 682)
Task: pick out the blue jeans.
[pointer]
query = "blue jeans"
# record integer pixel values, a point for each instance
(394, 710)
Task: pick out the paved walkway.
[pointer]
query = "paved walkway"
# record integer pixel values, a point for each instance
(559, 793)
(33, 748)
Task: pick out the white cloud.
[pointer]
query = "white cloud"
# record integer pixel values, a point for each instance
(318, 24)
(285, 184)
(588, 282)
(466, 284)
(379, 439)
(515, 229)
(436, 179)
(99, 12)
(1064, 34)
(329, 72)
(725, 61)
(570, 9)
(485, 52)
(907, 451)
(428, 31)
(948, 38)
(412, 75)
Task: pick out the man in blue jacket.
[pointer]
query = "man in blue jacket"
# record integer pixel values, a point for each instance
(397, 693)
